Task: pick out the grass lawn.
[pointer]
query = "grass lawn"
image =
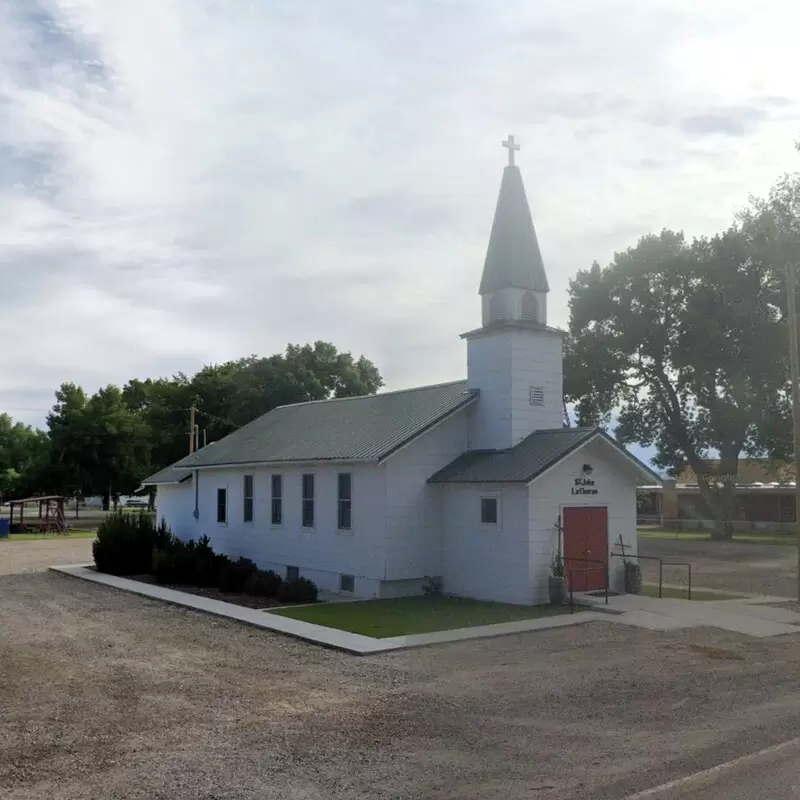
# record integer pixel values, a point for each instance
(785, 539)
(407, 615)
(651, 590)
(35, 537)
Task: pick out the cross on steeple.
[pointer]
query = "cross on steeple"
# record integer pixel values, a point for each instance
(512, 146)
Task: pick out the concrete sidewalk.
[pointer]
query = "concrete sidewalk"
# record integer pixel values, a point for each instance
(748, 616)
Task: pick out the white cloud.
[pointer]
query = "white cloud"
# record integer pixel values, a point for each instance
(185, 181)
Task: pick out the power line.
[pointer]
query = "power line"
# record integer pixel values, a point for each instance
(217, 419)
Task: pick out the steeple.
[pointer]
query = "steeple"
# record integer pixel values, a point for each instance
(514, 284)
(514, 360)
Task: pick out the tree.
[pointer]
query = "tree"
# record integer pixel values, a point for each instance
(99, 444)
(23, 452)
(686, 342)
(234, 393)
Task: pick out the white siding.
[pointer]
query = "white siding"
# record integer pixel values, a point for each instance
(615, 482)
(321, 553)
(174, 505)
(414, 539)
(488, 562)
(505, 365)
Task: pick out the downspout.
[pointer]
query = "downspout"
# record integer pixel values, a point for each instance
(196, 512)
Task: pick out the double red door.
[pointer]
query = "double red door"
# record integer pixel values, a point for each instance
(585, 541)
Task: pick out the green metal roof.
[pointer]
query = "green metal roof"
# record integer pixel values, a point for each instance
(527, 460)
(367, 428)
(513, 259)
(166, 476)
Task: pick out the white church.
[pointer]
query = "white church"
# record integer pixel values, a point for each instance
(476, 483)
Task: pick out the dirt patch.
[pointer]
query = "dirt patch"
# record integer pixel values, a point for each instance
(730, 566)
(32, 556)
(246, 600)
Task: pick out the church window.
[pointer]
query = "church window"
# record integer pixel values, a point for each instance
(489, 515)
(248, 498)
(345, 501)
(530, 308)
(308, 501)
(277, 500)
(222, 505)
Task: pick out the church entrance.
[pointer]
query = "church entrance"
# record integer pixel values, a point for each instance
(585, 541)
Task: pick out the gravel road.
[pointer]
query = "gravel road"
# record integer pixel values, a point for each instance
(737, 566)
(105, 694)
(28, 556)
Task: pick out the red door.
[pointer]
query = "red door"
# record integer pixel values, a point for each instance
(586, 540)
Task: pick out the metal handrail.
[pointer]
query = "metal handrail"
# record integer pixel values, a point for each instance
(569, 572)
(661, 564)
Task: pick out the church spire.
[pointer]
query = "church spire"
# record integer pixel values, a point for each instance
(513, 260)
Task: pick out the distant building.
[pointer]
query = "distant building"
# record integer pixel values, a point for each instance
(765, 493)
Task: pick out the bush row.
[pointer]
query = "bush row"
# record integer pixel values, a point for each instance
(131, 544)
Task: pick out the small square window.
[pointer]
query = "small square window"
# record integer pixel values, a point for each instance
(347, 583)
(292, 573)
(489, 510)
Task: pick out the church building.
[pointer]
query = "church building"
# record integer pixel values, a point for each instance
(475, 483)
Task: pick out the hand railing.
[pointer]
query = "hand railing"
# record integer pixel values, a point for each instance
(661, 565)
(570, 571)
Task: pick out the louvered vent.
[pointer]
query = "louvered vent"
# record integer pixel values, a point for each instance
(537, 396)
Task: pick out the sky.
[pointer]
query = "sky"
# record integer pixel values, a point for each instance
(185, 181)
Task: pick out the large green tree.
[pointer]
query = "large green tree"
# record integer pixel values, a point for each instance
(234, 393)
(23, 455)
(686, 343)
(99, 444)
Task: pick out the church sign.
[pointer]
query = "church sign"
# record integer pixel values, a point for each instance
(584, 486)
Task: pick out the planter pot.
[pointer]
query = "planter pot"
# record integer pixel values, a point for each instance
(557, 588)
(633, 578)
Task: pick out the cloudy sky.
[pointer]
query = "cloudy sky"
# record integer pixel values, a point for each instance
(188, 181)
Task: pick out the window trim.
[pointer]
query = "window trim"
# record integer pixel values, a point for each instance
(304, 500)
(340, 501)
(223, 521)
(489, 496)
(273, 499)
(251, 497)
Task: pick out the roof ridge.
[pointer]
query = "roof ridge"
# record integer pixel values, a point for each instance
(377, 394)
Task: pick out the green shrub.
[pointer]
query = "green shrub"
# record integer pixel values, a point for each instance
(125, 542)
(234, 575)
(206, 564)
(175, 563)
(300, 590)
(264, 583)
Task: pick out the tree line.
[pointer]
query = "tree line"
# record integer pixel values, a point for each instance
(106, 443)
(684, 343)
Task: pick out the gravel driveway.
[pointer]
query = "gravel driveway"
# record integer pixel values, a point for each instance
(105, 694)
(737, 566)
(28, 556)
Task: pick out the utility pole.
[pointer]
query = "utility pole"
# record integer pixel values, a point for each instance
(795, 367)
(192, 428)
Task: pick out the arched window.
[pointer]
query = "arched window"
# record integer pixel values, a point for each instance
(497, 308)
(530, 307)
